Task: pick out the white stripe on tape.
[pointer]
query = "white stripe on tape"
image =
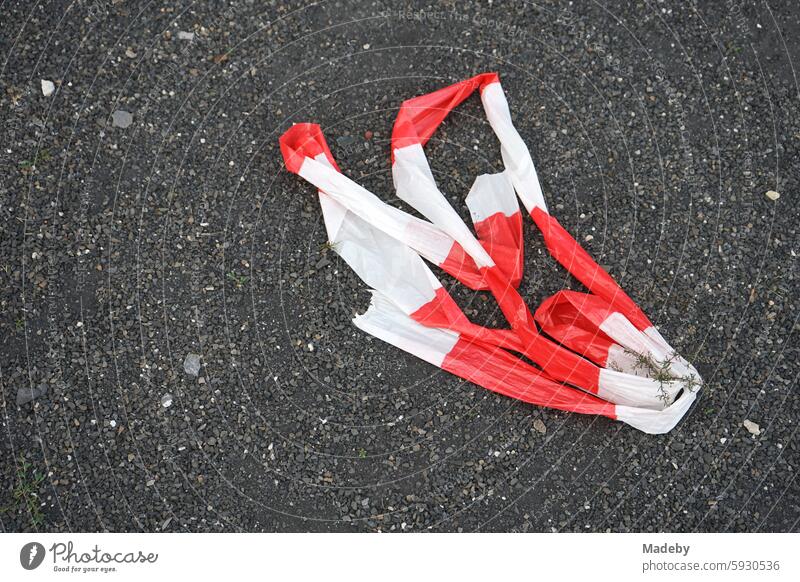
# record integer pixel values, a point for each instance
(415, 185)
(386, 322)
(515, 154)
(630, 390)
(427, 239)
(490, 194)
(657, 421)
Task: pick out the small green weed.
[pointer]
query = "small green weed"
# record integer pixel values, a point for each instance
(25, 494)
(239, 280)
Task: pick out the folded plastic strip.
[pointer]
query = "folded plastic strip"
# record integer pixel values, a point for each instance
(306, 141)
(338, 222)
(558, 319)
(387, 264)
(392, 268)
(588, 324)
(573, 257)
(419, 117)
(557, 361)
(500, 372)
(561, 245)
(399, 275)
(395, 270)
(415, 185)
(487, 366)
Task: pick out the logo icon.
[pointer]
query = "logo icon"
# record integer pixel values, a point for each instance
(31, 555)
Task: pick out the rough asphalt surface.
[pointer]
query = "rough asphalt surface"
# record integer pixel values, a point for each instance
(176, 351)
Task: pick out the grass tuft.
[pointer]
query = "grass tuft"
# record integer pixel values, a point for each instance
(25, 495)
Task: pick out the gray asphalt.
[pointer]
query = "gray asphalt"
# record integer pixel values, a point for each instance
(145, 217)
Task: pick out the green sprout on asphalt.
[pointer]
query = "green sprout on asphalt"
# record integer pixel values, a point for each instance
(25, 494)
(240, 280)
(19, 324)
(362, 453)
(42, 155)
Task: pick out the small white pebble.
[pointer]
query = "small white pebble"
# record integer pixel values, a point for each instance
(113, 423)
(772, 195)
(588, 238)
(47, 87)
(310, 347)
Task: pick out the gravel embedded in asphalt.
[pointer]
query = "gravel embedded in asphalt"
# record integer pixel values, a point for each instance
(146, 215)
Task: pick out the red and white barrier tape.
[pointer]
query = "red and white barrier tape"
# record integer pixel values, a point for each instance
(412, 310)
(557, 361)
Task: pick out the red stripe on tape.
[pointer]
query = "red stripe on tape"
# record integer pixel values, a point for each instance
(461, 266)
(557, 361)
(301, 141)
(501, 236)
(419, 117)
(572, 256)
(505, 374)
(562, 320)
(443, 312)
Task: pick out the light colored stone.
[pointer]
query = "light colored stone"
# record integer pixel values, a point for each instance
(772, 195)
(48, 87)
(539, 426)
(191, 365)
(185, 35)
(122, 119)
(752, 427)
